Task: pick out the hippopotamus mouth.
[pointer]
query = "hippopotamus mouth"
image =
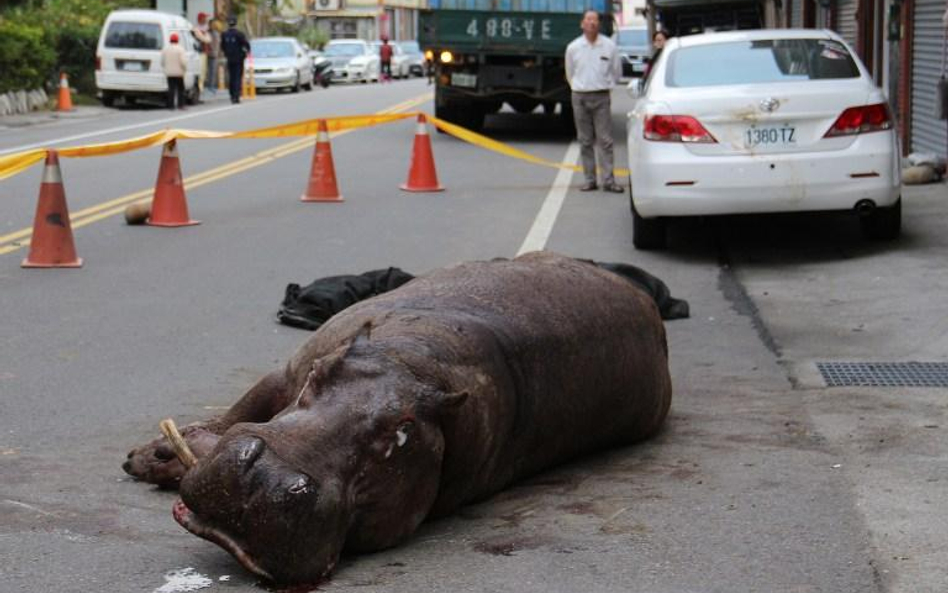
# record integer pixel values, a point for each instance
(190, 521)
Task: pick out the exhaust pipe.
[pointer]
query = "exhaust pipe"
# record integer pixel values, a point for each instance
(865, 207)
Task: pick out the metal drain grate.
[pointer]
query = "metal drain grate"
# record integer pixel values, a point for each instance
(884, 374)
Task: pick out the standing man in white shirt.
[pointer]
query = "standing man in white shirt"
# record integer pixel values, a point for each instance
(592, 69)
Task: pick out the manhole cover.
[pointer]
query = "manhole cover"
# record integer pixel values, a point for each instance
(884, 374)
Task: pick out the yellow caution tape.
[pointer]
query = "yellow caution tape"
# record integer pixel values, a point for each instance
(504, 149)
(15, 163)
(12, 164)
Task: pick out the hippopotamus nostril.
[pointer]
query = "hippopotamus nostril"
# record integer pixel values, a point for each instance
(249, 451)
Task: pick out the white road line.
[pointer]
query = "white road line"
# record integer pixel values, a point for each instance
(157, 122)
(543, 224)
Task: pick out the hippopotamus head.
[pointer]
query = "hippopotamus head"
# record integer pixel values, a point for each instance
(354, 463)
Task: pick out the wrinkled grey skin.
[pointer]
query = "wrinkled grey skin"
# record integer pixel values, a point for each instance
(412, 403)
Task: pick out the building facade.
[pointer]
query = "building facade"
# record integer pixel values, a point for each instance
(366, 19)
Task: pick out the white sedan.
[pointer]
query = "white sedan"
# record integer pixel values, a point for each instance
(353, 60)
(759, 122)
(280, 63)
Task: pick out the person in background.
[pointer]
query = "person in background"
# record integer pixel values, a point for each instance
(202, 32)
(659, 38)
(174, 63)
(235, 46)
(385, 55)
(213, 55)
(592, 69)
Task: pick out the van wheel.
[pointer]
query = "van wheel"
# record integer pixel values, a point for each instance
(194, 94)
(108, 99)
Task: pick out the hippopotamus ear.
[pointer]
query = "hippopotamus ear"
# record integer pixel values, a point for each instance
(445, 403)
(324, 366)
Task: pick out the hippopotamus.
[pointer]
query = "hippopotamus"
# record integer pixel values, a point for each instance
(412, 403)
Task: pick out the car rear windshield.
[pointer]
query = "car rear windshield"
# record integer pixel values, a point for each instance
(633, 38)
(133, 36)
(344, 49)
(760, 61)
(271, 49)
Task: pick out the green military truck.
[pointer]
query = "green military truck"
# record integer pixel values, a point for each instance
(485, 53)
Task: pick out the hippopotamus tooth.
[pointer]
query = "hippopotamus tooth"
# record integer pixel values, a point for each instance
(415, 402)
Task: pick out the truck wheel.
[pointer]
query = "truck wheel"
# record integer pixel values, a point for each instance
(446, 113)
(523, 105)
(474, 117)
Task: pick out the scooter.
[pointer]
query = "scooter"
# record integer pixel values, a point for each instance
(322, 72)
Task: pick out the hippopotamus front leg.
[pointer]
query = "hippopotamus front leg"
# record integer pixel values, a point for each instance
(156, 462)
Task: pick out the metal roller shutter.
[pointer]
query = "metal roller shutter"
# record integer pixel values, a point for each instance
(796, 14)
(928, 133)
(846, 24)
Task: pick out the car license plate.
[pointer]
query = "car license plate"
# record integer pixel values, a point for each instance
(463, 79)
(784, 135)
(133, 66)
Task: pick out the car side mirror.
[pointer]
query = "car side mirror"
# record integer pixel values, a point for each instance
(634, 88)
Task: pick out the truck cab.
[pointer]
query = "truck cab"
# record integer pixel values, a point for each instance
(489, 52)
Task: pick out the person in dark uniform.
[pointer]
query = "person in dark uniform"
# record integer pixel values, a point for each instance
(235, 46)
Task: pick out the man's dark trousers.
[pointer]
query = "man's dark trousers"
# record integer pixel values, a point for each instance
(235, 71)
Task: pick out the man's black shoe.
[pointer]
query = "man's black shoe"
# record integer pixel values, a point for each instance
(616, 189)
(590, 186)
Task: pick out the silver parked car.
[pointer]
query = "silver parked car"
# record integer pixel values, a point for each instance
(353, 60)
(279, 63)
(399, 59)
(634, 49)
(415, 57)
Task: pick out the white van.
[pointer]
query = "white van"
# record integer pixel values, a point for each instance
(128, 57)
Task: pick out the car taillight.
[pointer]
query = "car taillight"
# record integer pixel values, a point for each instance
(98, 63)
(676, 128)
(856, 120)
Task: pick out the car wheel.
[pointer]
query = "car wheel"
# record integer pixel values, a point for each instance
(883, 224)
(296, 85)
(647, 233)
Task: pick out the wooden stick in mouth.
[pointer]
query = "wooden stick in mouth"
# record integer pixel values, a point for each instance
(181, 449)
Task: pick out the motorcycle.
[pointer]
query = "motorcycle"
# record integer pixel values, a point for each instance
(322, 71)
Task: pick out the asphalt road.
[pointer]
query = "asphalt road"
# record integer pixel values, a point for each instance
(764, 479)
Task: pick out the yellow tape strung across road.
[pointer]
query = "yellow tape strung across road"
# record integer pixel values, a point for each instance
(12, 164)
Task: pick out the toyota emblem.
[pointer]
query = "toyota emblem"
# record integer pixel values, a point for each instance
(769, 104)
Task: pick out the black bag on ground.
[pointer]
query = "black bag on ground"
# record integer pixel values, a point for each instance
(668, 306)
(310, 306)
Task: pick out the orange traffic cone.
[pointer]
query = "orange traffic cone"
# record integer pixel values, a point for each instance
(422, 175)
(169, 206)
(51, 245)
(322, 175)
(65, 95)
